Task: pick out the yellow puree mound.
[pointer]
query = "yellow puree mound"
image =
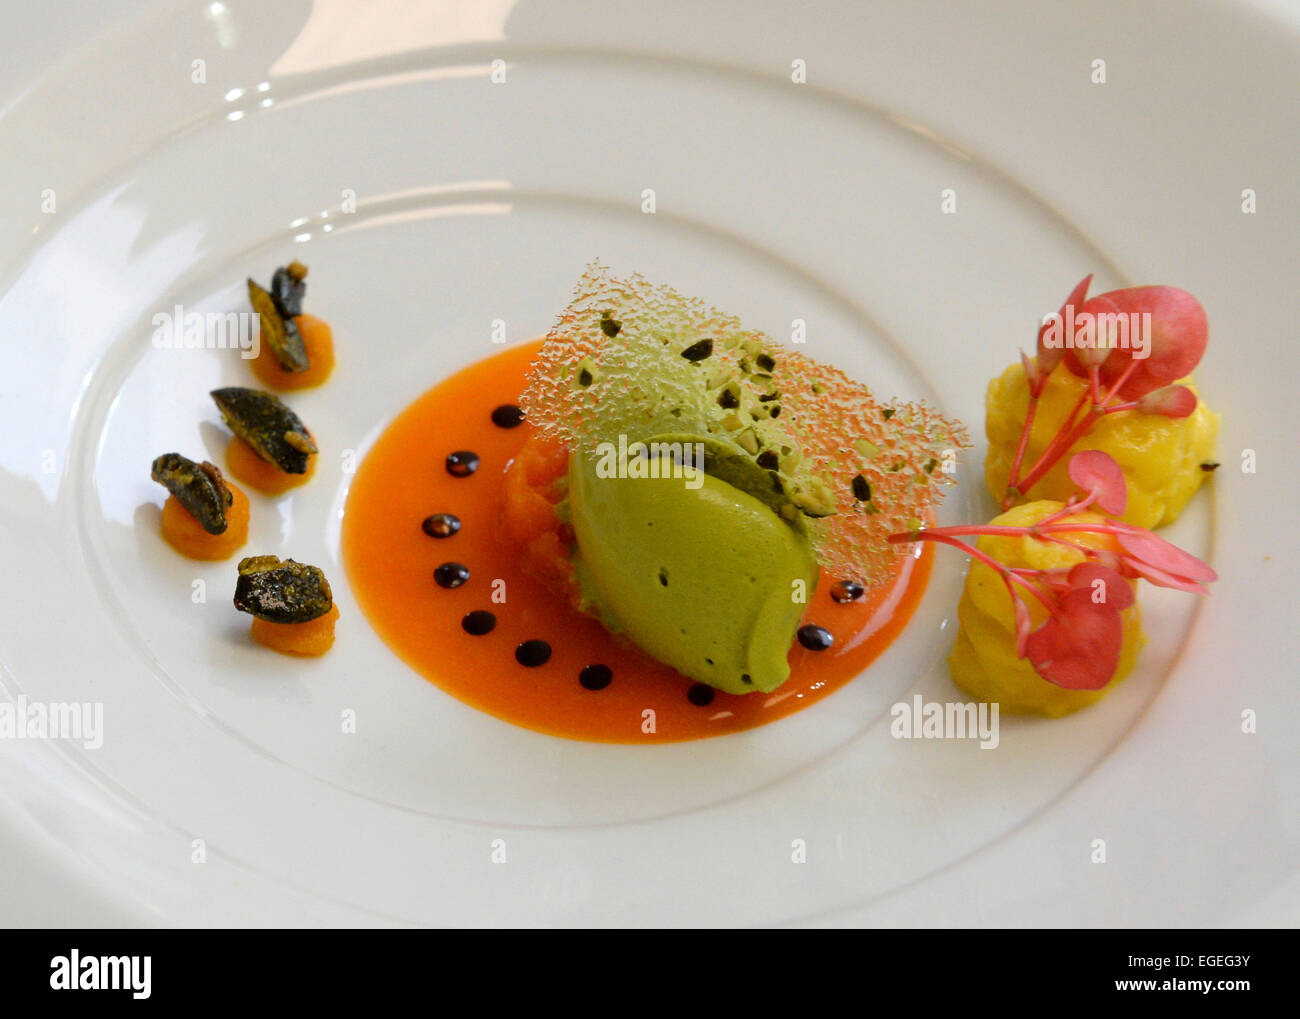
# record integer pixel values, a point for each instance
(984, 661)
(1161, 457)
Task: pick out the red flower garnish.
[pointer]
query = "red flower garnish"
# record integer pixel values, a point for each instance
(1099, 475)
(1077, 647)
(1130, 345)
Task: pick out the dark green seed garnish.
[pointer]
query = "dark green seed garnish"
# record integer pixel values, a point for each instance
(815, 638)
(843, 591)
(278, 331)
(288, 288)
(610, 326)
(698, 350)
(584, 378)
(441, 525)
(200, 488)
(275, 433)
(746, 679)
(768, 397)
(451, 575)
(930, 465)
(478, 622)
(861, 489)
(775, 411)
(765, 362)
(282, 592)
(532, 653)
(887, 413)
(1210, 466)
(768, 460)
(507, 416)
(462, 463)
(595, 677)
(728, 400)
(701, 695)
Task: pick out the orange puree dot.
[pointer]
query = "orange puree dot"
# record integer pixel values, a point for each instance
(243, 463)
(516, 551)
(318, 339)
(186, 535)
(309, 639)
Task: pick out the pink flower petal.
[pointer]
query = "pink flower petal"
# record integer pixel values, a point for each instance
(1162, 579)
(1171, 401)
(1078, 648)
(1177, 338)
(1114, 588)
(1096, 334)
(1168, 558)
(1033, 377)
(1050, 357)
(1098, 474)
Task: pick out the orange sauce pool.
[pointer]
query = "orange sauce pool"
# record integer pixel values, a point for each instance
(390, 563)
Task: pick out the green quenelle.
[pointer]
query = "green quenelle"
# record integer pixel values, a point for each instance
(697, 572)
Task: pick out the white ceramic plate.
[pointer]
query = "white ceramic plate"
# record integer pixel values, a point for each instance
(479, 200)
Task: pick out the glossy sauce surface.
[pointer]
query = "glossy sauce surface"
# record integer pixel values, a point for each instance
(391, 562)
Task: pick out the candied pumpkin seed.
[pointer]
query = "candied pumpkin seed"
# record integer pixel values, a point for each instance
(199, 487)
(288, 288)
(278, 332)
(282, 591)
(275, 432)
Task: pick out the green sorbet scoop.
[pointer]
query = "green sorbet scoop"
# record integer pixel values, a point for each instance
(699, 574)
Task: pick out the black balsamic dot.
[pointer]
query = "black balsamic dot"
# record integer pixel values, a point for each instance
(595, 677)
(533, 653)
(508, 416)
(700, 694)
(451, 574)
(846, 591)
(462, 463)
(441, 525)
(478, 622)
(815, 638)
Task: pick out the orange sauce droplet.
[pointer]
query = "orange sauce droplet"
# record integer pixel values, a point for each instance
(390, 563)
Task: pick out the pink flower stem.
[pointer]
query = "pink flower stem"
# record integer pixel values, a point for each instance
(1009, 500)
(1008, 576)
(1073, 506)
(1074, 431)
